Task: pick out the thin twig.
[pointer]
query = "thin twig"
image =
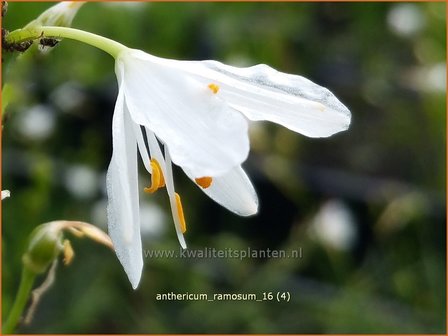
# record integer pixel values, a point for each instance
(38, 292)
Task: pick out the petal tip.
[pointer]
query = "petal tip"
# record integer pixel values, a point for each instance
(251, 210)
(135, 274)
(135, 284)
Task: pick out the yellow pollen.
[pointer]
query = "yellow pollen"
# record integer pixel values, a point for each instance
(157, 179)
(180, 214)
(214, 88)
(204, 182)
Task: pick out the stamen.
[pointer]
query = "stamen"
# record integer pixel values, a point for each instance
(157, 179)
(180, 213)
(204, 182)
(214, 88)
(68, 253)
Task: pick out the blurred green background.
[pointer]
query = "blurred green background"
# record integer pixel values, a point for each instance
(366, 206)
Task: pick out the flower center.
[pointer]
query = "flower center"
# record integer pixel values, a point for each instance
(214, 88)
(180, 214)
(157, 180)
(204, 182)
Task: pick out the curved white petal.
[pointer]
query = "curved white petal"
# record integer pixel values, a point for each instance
(234, 191)
(263, 93)
(201, 131)
(122, 191)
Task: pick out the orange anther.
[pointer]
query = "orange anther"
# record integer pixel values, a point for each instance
(180, 214)
(157, 180)
(214, 88)
(204, 182)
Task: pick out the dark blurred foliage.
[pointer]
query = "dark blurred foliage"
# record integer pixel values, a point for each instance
(366, 206)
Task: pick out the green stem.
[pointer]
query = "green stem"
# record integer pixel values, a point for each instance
(26, 283)
(110, 46)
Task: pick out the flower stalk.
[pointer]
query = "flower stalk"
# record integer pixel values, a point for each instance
(26, 284)
(33, 33)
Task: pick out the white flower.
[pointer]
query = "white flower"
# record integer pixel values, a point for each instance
(198, 111)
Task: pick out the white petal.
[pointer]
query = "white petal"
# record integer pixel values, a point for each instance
(263, 93)
(122, 191)
(233, 191)
(202, 132)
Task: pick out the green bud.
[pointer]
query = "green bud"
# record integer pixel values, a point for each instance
(45, 244)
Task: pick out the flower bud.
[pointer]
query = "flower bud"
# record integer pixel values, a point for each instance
(47, 243)
(44, 246)
(61, 15)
